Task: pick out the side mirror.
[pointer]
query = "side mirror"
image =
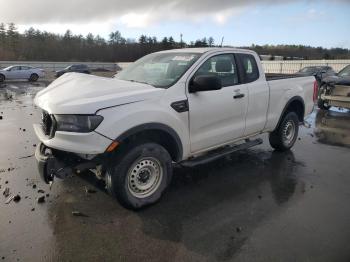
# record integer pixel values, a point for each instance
(205, 83)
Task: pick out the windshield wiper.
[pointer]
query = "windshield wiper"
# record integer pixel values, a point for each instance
(132, 80)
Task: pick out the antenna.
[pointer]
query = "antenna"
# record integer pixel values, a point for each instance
(222, 40)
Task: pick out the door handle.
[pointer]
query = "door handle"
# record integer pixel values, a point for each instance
(238, 96)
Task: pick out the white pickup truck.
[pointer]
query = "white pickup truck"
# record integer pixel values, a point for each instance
(186, 106)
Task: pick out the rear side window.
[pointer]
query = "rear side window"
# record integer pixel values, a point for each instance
(249, 67)
(222, 66)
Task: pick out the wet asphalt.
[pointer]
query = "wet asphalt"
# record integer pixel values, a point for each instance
(254, 205)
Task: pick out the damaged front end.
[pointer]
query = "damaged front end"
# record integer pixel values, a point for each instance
(336, 95)
(55, 163)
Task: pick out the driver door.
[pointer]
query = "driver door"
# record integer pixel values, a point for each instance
(217, 117)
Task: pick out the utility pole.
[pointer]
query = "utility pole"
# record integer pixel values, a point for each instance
(222, 40)
(181, 40)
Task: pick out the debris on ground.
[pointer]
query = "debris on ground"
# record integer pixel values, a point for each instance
(0, 117)
(238, 229)
(90, 190)
(32, 209)
(6, 192)
(8, 201)
(259, 196)
(26, 156)
(40, 199)
(17, 198)
(78, 214)
(40, 191)
(34, 186)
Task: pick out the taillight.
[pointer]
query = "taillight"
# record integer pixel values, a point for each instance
(315, 91)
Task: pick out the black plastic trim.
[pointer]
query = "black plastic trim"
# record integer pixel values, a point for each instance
(154, 126)
(294, 98)
(180, 106)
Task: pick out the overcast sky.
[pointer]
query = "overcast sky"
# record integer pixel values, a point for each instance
(317, 23)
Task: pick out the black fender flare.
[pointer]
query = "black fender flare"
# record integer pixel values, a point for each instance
(293, 99)
(154, 126)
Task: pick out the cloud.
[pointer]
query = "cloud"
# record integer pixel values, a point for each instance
(135, 13)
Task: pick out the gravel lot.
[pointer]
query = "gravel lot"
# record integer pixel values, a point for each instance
(255, 205)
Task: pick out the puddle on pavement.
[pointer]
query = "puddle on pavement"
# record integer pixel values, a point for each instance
(333, 127)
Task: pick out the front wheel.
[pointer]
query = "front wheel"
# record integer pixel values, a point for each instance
(285, 135)
(140, 176)
(2, 78)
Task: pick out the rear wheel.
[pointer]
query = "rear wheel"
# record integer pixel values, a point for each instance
(140, 176)
(285, 135)
(2, 78)
(33, 77)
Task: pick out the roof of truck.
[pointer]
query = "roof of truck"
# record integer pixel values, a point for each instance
(202, 50)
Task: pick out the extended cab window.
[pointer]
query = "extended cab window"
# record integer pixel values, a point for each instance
(222, 66)
(249, 67)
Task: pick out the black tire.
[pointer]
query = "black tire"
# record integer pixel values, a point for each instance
(278, 138)
(119, 176)
(33, 78)
(2, 78)
(321, 105)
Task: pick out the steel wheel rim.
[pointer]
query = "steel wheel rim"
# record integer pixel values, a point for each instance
(289, 131)
(144, 177)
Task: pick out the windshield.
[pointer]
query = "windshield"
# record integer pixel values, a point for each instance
(7, 68)
(309, 70)
(345, 71)
(159, 69)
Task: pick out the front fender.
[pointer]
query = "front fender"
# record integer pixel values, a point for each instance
(121, 119)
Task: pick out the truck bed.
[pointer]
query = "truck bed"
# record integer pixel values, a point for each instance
(272, 76)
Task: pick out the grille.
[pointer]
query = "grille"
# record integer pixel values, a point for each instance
(48, 124)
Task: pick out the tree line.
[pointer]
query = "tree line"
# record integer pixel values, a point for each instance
(36, 45)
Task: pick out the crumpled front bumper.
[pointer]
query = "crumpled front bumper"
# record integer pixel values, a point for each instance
(60, 165)
(50, 166)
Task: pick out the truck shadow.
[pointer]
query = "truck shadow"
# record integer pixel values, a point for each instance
(213, 209)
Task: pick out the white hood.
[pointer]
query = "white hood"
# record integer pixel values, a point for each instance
(75, 93)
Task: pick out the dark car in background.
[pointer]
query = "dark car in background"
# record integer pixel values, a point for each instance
(316, 70)
(335, 90)
(319, 72)
(78, 68)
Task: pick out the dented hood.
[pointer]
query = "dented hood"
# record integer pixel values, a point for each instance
(75, 93)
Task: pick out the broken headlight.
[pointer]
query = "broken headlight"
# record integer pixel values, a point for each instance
(77, 123)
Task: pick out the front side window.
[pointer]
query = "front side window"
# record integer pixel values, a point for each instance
(249, 67)
(15, 68)
(222, 66)
(159, 69)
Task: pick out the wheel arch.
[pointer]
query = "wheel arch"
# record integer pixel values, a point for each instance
(295, 104)
(154, 132)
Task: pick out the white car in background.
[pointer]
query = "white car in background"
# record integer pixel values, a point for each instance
(21, 72)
